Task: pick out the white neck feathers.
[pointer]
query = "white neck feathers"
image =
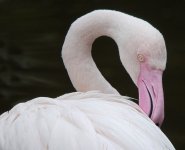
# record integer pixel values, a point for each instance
(76, 51)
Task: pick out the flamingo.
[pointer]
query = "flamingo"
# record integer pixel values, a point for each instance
(97, 117)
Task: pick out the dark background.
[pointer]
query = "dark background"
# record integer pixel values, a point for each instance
(32, 34)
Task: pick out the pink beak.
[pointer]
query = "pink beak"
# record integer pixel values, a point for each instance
(151, 98)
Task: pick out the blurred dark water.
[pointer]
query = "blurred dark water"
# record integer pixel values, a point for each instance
(32, 34)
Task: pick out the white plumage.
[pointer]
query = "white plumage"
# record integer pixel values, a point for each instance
(94, 120)
(80, 121)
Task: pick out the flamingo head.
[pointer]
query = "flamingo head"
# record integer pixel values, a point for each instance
(147, 61)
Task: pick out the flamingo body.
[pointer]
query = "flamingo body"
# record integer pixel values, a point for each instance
(80, 121)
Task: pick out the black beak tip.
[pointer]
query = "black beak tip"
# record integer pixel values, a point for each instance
(158, 124)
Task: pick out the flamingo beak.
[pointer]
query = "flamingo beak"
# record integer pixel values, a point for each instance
(151, 99)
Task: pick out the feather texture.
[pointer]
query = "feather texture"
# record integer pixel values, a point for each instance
(91, 120)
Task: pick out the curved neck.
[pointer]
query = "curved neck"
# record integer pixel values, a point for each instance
(76, 51)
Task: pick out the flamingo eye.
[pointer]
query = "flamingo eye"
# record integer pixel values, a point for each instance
(141, 57)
